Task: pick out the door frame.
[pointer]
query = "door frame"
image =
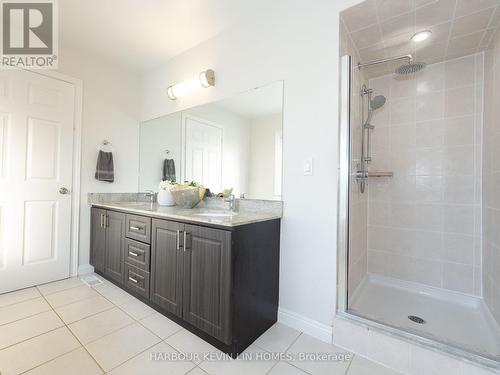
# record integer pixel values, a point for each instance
(77, 155)
(184, 117)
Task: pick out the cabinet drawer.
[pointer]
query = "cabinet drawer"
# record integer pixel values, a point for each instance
(137, 254)
(138, 228)
(137, 280)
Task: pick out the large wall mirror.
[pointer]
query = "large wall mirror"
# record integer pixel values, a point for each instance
(235, 144)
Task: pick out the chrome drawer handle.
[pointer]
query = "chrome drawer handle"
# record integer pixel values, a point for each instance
(133, 254)
(136, 228)
(130, 278)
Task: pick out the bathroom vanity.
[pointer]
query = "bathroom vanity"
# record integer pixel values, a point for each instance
(216, 273)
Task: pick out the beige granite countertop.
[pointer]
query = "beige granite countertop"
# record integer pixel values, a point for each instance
(203, 215)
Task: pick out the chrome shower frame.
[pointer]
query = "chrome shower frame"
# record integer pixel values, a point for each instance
(344, 185)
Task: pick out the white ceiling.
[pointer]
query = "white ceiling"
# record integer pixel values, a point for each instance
(143, 34)
(383, 28)
(259, 102)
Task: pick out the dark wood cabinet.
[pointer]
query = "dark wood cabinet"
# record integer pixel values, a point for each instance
(137, 254)
(221, 283)
(138, 228)
(98, 239)
(115, 239)
(166, 265)
(207, 280)
(107, 243)
(137, 280)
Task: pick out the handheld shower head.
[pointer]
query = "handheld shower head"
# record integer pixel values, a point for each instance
(377, 102)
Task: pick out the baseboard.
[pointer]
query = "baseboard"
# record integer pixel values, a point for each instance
(311, 327)
(84, 269)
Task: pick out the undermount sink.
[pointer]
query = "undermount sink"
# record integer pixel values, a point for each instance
(216, 214)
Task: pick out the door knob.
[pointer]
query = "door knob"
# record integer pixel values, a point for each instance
(63, 190)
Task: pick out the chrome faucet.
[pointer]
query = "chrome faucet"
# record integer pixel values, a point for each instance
(231, 200)
(150, 194)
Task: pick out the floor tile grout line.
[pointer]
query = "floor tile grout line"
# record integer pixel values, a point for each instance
(63, 326)
(138, 320)
(140, 323)
(154, 333)
(91, 315)
(199, 368)
(114, 303)
(77, 301)
(66, 325)
(58, 291)
(50, 360)
(22, 301)
(134, 320)
(109, 333)
(273, 366)
(26, 317)
(350, 363)
(294, 341)
(129, 359)
(32, 337)
(297, 367)
(76, 338)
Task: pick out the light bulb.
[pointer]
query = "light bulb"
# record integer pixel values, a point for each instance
(203, 80)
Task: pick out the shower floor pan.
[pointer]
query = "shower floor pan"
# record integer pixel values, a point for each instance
(448, 317)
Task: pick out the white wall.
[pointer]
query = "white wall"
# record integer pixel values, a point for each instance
(110, 111)
(262, 161)
(297, 42)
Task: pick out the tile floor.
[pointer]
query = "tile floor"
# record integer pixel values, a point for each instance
(67, 327)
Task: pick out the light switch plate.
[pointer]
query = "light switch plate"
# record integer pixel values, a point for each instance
(308, 167)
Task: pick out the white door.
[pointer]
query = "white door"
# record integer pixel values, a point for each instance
(203, 153)
(36, 161)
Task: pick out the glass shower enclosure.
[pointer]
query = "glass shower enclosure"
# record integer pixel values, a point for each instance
(383, 280)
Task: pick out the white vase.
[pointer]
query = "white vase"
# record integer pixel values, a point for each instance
(165, 198)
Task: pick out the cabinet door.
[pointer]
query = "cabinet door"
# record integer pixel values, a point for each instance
(207, 281)
(98, 239)
(166, 265)
(115, 240)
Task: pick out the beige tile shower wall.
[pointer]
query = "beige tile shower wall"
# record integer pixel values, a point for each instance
(358, 208)
(491, 178)
(424, 224)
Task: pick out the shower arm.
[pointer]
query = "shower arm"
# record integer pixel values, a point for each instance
(383, 61)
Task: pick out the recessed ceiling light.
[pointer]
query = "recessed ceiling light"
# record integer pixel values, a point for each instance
(421, 36)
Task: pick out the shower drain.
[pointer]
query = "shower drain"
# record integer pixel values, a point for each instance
(416, 319)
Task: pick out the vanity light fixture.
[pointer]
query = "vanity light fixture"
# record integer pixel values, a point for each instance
(421, 36)
(203, 80)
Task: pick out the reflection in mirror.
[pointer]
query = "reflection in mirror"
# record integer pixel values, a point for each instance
(233, 144)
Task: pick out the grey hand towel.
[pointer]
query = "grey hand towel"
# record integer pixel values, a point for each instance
(168, 170)
(105, 169)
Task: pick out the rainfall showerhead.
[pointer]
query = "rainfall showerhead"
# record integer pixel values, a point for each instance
(377, 102)
(410, 68)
